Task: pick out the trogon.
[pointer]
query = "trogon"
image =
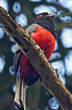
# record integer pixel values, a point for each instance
(42, 30)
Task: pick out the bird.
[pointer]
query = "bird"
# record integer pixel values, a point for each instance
(43, 32)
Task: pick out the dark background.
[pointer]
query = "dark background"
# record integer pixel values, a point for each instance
(38, 98)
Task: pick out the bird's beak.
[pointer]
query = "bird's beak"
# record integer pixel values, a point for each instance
(51, 15)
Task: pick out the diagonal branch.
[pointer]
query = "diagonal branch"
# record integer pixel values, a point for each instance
(37, 58)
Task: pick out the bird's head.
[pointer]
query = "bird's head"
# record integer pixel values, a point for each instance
(46, 20)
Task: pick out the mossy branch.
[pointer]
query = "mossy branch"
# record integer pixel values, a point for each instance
(37, 58)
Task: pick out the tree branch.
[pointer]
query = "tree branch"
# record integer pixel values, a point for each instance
(37, 58)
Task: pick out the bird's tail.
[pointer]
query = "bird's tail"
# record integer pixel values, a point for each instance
(23, 96)
(20, 102)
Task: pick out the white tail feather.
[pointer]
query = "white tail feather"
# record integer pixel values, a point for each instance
(23, 93)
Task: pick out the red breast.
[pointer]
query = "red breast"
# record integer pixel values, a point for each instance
(46, 41)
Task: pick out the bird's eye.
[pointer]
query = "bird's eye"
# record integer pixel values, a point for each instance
(40, 16)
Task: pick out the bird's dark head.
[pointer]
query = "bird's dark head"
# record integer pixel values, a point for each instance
(46, 20)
